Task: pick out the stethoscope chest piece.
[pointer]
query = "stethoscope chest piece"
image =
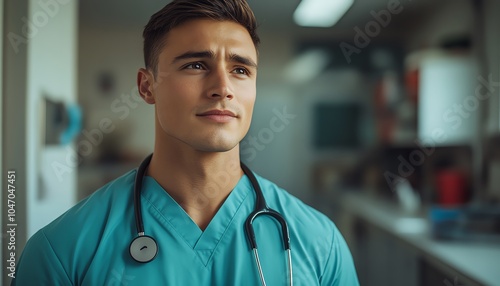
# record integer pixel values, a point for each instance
(143, 248)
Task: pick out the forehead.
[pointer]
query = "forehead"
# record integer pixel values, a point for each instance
(206, 34)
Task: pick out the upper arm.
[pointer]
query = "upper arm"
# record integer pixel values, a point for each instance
(339, 268)
(39, 264)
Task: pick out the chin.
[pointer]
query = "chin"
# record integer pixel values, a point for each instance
(208, 145)
(216, 147)
(216, 142)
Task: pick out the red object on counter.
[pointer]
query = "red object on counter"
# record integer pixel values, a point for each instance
(451, 186)
(412, 81)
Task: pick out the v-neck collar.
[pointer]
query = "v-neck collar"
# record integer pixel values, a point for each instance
(202, 242)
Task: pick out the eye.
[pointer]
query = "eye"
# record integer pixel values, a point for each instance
(242, 71)
(194, 66)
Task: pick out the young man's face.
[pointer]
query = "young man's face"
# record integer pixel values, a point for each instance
(205, 87)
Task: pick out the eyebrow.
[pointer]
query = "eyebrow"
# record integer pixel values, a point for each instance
(242, 60)
(211, 55)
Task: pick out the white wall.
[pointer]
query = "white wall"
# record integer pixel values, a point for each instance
(52, 55)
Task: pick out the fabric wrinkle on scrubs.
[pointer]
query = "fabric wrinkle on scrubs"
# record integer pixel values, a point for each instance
(88, 245)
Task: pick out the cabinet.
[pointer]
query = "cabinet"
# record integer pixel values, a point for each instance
(381, 259)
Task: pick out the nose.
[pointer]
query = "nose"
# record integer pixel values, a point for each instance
(220, 86)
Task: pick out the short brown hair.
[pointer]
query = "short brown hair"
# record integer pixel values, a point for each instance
(180, 11)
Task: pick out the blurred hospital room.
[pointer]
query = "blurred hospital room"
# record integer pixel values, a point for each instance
(382, 114)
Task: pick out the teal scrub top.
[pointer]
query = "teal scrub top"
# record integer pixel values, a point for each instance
(89, 244)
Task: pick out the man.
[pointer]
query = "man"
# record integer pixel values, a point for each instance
(201, 69)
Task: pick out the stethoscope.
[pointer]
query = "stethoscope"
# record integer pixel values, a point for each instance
(144, 248)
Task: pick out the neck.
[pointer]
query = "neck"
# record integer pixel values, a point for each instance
(198, 181)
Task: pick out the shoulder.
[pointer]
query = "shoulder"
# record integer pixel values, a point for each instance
(106, 201)
(80, 230)
(313, 231)
(294, 208)
(315, 239)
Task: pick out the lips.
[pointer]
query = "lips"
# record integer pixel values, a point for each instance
(218, 116)
(218, 112)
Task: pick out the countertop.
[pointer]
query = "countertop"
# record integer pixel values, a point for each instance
(479, 262)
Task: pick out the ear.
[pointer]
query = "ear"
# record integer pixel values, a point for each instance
(145, 83)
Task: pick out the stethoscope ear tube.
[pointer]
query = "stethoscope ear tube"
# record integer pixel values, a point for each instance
(261, 208)
(284, 227)
(250, 233)
(137, 194)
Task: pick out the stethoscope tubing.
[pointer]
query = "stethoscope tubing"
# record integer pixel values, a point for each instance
(141, 172)
(261, 209)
